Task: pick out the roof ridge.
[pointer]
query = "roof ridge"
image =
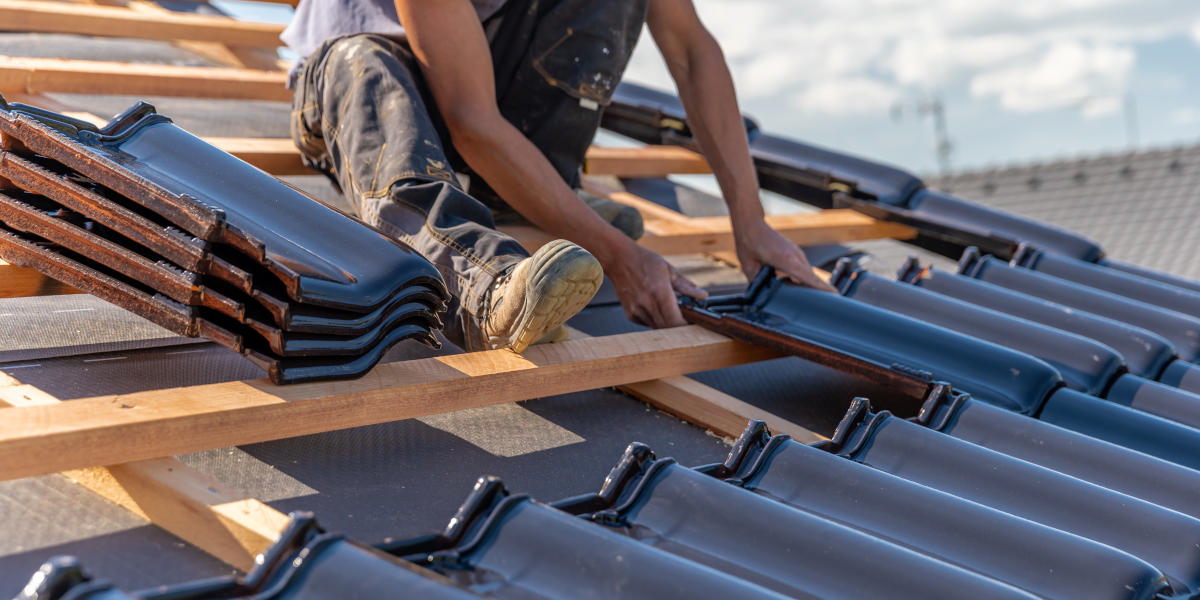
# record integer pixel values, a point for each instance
(1080, 159)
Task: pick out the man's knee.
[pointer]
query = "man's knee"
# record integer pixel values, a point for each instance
(361, 50)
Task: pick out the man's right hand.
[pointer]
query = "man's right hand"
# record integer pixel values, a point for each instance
(646, 284)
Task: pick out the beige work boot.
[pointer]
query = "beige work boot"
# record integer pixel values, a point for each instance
(539, 294)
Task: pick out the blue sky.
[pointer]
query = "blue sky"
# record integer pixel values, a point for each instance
(1021, 80)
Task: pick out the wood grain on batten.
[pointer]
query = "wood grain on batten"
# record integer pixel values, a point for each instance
(116, 429)
(112, 21)
(644, 161)
(671, 232)
(707, 407)
(192, 505)
(51, 75)
(20, 282)
(712, 409)
(245, 57)
(277, 156)
(715, 234)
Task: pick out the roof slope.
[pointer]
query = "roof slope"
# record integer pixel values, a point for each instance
(1141, 206)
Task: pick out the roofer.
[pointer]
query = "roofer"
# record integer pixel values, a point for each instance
(426, 113)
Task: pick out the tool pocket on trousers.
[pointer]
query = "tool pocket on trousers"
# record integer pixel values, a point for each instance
(585, 53)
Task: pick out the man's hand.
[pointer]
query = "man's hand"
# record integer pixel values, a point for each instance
(759, 245)
(706, 89)
(646, 285)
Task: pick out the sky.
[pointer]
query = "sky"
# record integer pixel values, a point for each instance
(1019, 80)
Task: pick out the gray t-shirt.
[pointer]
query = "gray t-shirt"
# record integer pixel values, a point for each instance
(318, 20)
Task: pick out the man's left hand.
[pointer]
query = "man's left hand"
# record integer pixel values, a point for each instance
(758, 245)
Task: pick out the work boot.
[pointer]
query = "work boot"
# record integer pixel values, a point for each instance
(625, 218)
(539, 294)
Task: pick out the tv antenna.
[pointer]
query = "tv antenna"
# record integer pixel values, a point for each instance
(932, 107)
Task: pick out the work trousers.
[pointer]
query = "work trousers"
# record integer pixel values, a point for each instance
(363, 114)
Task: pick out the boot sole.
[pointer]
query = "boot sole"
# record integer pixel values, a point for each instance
(564, 280)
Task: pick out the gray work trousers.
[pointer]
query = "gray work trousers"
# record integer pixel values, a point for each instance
(363, 114)
(359, 115)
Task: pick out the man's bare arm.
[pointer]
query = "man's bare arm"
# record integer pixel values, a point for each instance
(698, 67)
(451, 47)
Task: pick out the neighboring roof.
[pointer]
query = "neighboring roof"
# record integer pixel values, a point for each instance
(1142, 206)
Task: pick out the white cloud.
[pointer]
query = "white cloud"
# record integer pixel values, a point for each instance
(1103, 106)
(934, 60)
(1184, 116)
(838, 57)
(1092, 77)
(847, 97)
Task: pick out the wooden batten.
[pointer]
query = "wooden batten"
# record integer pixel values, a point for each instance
(715, 234)
(277, 156)
(110, 21)
(192, 505)
(20, 282)
(243, 57)
(117, 429)
(51, 75)
(712, 409)
(644, 161)
(671, 232)
(707, 407)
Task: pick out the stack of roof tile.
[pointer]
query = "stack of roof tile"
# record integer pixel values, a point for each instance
(153, 219)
